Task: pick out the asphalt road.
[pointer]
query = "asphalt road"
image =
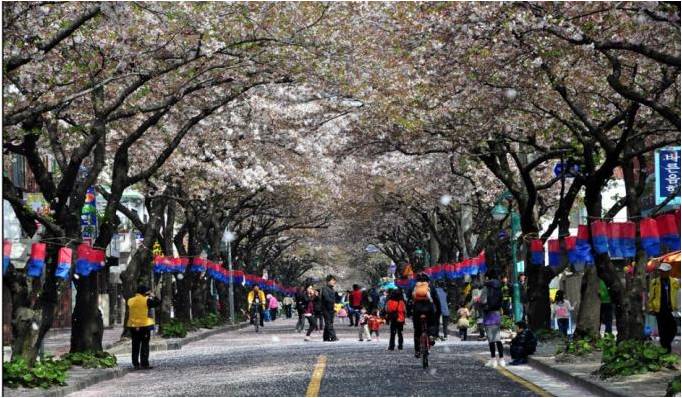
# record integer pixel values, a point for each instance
(277, 362)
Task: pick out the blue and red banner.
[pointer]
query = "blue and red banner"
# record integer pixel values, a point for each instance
(600, 236)
(36, 261)
(63, 263)
(537, 252)
(570, 242)
(554, 252)
(6, 253)
(583, 247)
(667, 229)
(651, 242)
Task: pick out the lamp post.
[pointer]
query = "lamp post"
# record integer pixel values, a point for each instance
(499, 213)
(228, 237)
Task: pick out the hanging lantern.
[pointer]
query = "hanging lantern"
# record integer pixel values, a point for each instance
(667, 229)
(554, 250)
(36, 261)
(64, 263)
(583, 247)
(537, 252)
(627, 235)
(651, 243)
(6, 253)
(600, 236)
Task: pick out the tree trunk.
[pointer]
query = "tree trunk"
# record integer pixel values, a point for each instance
(87, 325)
(587, 323)
(538, 278)
(164, 312)
(181, 300)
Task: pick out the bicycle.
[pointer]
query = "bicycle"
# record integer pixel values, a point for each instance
(255, 314)
(424, 342)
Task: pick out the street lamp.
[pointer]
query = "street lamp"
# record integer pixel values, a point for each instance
(499, 213)
(228, 237)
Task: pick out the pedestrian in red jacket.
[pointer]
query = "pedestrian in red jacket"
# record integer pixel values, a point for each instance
(395, 313)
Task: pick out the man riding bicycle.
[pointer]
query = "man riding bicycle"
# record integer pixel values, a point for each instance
(257, 297)
(426, 302)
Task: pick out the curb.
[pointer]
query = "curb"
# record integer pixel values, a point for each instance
(594, 388)
(97, 377)
(109, 374)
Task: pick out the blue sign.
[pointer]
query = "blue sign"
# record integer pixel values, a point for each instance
(667, 174)
(569, 168)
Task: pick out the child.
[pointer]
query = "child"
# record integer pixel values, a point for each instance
(375, 322)
(561, 310)
(363, 333)
(523, 344)
(463, 321)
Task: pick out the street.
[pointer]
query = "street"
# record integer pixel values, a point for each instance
(277, 362)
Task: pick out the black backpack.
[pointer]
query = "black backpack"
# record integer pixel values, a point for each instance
(493, 301)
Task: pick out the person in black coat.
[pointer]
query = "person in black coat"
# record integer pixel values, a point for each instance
(300, 302)
(328, 299)
(523, 344)
(317, 303)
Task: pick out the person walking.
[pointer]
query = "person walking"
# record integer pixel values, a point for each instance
(506, 296)
(319, 319)
(288, 303)
(664, 296)
(492, 309)
(363, 333)
(561, 310)
(300, 300)
(355, 302)
(375, 321)
(396, 310)
(523, 287)
(141, 325)
(308, 311)
(328, 297)
(273, 306)
(444, 308)
(606, 308)
(477, 307)
(463, 321)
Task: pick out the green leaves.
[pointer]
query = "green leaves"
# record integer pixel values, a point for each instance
(173, 328)
(44, 374)
(632, 356)
(91, 360)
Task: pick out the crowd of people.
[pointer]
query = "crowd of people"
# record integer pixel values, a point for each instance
(368, 310)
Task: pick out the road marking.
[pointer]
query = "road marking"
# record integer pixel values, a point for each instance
(529, 385)
(315, 380)
(525, 383)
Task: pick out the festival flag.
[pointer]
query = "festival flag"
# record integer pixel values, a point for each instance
(615, 239)
(63, 263)
(96, 258)
(482, 265)
(651, 243)
(198, 265)
(537, 252)
(6, 253)
(583, 247)
(600, 236)
(82, 265)
(36, 261)
(667, 228)
(554, 251)
(570, 242)
(628, 232)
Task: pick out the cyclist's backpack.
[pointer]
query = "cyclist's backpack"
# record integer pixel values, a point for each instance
(493, 299)
(421, 291)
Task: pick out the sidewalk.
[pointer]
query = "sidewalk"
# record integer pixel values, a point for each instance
(58, 342)
(579, 371)
(79, 378)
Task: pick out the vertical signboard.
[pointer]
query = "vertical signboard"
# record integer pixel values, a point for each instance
(667, 174)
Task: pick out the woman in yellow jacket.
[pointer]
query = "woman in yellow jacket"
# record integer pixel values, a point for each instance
(663, 300)
(258, 294)
(141, 325)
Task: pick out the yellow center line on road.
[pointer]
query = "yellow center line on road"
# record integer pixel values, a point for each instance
(315, 380)
(541, 392)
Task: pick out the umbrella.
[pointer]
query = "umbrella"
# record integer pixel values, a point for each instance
(672, 258)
